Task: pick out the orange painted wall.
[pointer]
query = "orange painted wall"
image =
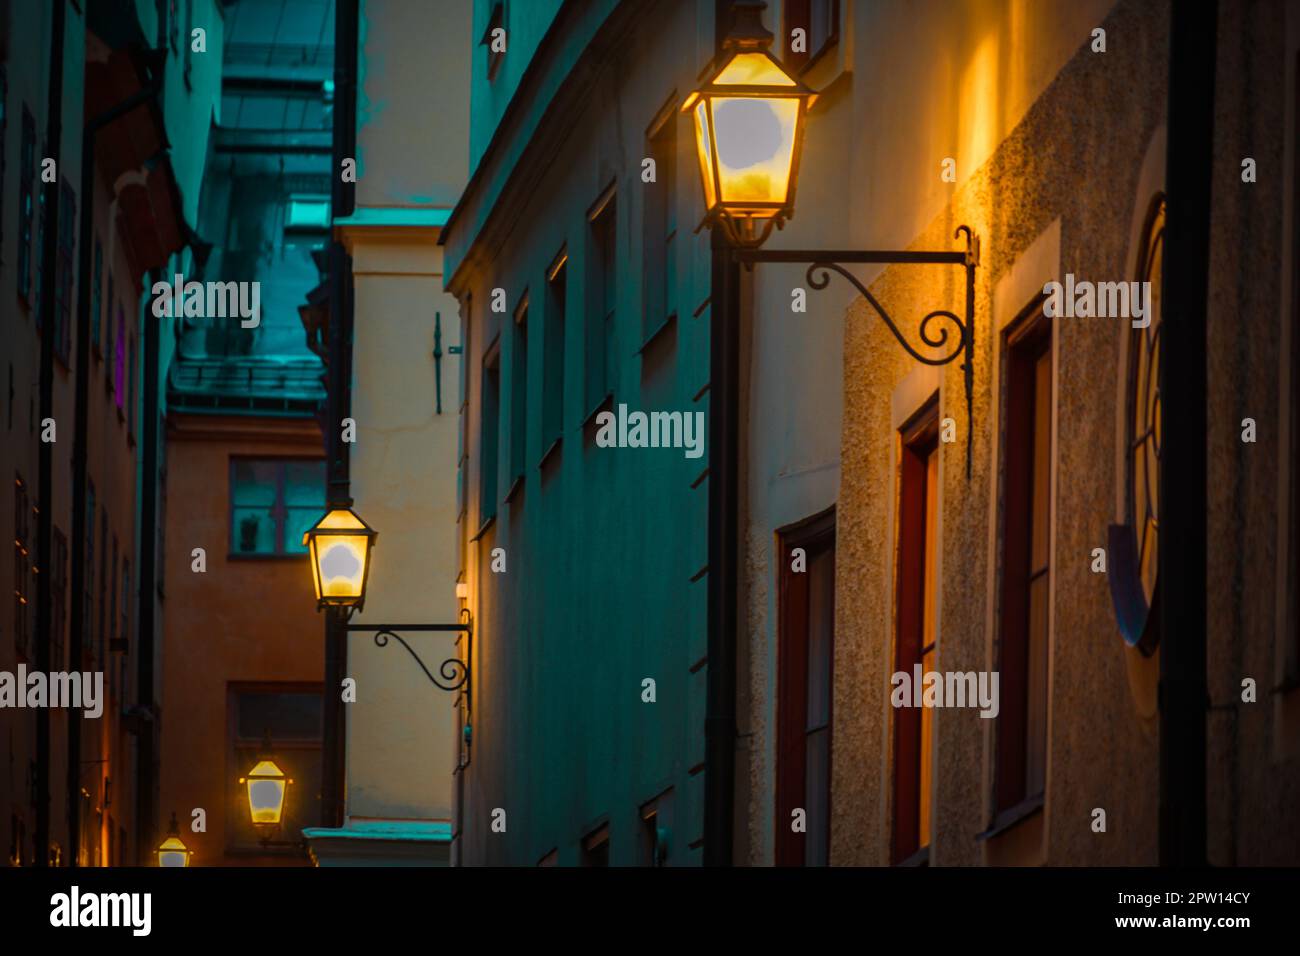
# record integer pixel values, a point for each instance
(243, 620)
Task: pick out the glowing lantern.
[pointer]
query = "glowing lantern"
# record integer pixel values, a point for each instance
(172, 852)
(749, 118)
(340, 546)
(267, 785)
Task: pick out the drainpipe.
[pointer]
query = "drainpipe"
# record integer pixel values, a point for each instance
(1184, 696)
(724, 455)
(339, 400)
(77, 620)
(45, 454)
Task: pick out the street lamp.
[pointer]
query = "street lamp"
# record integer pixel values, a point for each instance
(749, 119)
(749, 125)
(340, 544)
(172, 851)
(267, 786)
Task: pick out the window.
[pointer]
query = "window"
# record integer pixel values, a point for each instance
(109, 350)
(4, 126)
(119, 361)
(22, 567)
(123, 640)
(553, 355)
(496, 20)
(173, 24)
(189, 42)
(307, 213)
(914, 641)
(655, 831)
(1021, 766)
(519, 395)
(805, 655)
(601, 294)
(63, 273)
(489, 435)
(273, 502)
(290, 715)
(58, 599)
(595, 847)
(1134, 552)
(88, 613)
(820, 21)
(130, 389)
(106, 636)
(659, 230)
(96, 296)
(98, 647)
(26, 206)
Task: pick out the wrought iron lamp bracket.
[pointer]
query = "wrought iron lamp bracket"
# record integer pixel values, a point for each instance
(454, 671)
(822, 262)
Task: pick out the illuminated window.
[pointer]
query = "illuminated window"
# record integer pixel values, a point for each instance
(273, 502)
(915, 636)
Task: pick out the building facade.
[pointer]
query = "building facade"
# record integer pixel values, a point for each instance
(412, 135)
(874, 548)
(244, 466)
(80, 789)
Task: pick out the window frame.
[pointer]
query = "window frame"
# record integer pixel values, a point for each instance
(799, 13)
(554, 324)
(279, 508)
(917, 439)
(1027, 341)
(816, 535)
(602, 302)
(489, 434)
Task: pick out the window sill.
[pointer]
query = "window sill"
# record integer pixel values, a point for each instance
(657, 332)
(483, 529)
(550, 453)
(1012, 816)
(920, 858)
(265, 556)
(515, 487)
(604, 405)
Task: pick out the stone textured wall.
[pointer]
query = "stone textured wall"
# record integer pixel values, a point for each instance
(1077, 156)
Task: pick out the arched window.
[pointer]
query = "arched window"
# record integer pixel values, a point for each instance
(1135, 545)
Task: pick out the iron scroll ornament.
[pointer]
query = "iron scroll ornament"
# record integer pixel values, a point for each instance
(454, 670)
(822, 262)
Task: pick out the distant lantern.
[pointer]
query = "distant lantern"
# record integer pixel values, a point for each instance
(267, 785)
(340, 546)
(749, 120)
(173, 852)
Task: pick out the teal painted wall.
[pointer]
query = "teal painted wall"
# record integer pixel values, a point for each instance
(602, 544)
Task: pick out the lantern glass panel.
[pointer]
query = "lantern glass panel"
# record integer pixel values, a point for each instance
(704, 145)
(752, 69)
(266, 785)
(755, 147)
(173, 853)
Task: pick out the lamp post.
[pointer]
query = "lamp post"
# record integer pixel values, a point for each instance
(750, 116)
(173, 851)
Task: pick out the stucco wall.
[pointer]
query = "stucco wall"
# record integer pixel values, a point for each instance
(1070, 176)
